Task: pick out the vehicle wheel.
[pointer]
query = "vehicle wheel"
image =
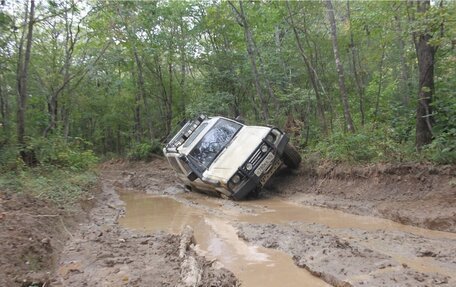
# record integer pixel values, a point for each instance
(255, 193)
(291, 157)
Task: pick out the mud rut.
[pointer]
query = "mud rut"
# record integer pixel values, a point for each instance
(145, 230)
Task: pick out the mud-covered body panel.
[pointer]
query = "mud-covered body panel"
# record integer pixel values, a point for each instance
(225, 157)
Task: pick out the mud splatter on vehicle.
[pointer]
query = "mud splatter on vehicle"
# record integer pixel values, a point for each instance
(225, 157)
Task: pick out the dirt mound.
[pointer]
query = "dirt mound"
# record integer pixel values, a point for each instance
(154, 177)
(397, 192)
(32, 232)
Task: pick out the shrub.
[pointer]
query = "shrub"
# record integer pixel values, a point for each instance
(62, 186)
(9, 158)
(58, 151)
(144, 151)
(442, 150)
(366, 145)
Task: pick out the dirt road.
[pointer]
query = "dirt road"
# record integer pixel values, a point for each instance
(281, 239)
(325, 227)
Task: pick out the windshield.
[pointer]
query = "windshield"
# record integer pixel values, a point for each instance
(214, 141)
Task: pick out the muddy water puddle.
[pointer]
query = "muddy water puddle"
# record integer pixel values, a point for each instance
(216, 238)
(280, 211)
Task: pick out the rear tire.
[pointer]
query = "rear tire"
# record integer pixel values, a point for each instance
(291, 157)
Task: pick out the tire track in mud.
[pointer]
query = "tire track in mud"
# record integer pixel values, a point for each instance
(349, 255)
(103, 253)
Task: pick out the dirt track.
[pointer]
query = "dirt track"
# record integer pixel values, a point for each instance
(345, 250)
(118, 245)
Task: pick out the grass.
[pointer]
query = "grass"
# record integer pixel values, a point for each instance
(62, 186)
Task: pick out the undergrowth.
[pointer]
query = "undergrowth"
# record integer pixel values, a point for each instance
(383, 144)
(144, 151)
(62, 186)
(64, 171)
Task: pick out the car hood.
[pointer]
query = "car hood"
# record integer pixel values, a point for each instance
(236, 153)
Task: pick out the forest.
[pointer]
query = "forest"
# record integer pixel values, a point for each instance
(351, 81)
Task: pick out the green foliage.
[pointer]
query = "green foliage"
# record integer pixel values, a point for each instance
(62, 186)
(193, 59)
(144, 151)
(367, 145)
(9, 158)
(218, 104)
(442, 150)
(56, 151)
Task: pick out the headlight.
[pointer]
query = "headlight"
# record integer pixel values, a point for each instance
(236, 179)
(271, 138)
(249, 166)
(264, 148)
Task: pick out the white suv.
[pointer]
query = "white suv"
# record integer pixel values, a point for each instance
(225, 157)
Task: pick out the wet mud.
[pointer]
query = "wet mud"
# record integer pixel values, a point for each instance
(216, 238)
(329, 226)
(334, 247)
(104, 253)
(413, 194)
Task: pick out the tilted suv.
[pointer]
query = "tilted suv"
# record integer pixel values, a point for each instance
(225, 157)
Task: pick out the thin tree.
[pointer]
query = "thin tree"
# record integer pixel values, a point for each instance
(425, 54)
(23, 69)
(251, 51)
(358, 81)
(4, 112)
(310, 71)
(340, 69)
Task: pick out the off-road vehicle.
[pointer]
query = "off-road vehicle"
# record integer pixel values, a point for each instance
(225, 157)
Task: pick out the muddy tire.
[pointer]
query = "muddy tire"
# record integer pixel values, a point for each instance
(291, 157)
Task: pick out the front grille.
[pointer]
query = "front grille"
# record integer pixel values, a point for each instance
(255, 159)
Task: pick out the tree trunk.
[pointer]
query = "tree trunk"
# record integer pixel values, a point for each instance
(380, 83)
(22, 77)
(53, 102)
(278, 34)
(359, 85)
(137, 130)
(169, 113)
(311, 72)
(4, 112)
(340, 69)
(183, 71)
(252, 56)
(141, 93)
(425, 54)
(404, 73)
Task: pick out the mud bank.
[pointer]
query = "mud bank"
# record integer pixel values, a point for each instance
(412, 194)
(32, 234)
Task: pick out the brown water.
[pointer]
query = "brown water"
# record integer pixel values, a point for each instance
(217, 239)
(280, 211)
(212, 221)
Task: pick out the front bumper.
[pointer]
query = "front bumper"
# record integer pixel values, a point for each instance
(253, 181)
